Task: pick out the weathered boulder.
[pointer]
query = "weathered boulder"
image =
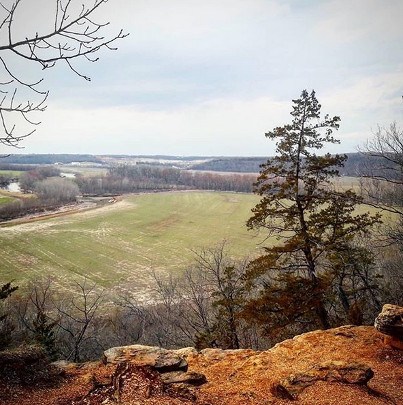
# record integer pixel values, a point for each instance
(170, 366)
(334, 371)
(160, 359)
(390, 323)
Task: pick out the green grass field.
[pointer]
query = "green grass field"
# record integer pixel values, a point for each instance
(11, 173)
(83, 170)
(5, 199)
(120, 244)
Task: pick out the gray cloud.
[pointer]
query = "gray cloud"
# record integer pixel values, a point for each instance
(210, 77)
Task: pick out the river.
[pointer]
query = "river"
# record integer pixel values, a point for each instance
(14, 186)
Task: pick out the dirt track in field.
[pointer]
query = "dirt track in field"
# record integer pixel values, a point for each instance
(62, 212)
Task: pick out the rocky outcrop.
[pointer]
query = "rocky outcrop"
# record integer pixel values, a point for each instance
(138, 375)
(131, 384)
(165, 372)
(324, 367)
(332, 371)
(162, 360)
(390, 323)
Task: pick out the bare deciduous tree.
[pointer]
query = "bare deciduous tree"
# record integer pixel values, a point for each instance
(76, 315)
(72, 33)
(382, 187)
(57, 190)
(226, 280)
(129, 320)
(202, 307)
(383, 172)
(36, 316)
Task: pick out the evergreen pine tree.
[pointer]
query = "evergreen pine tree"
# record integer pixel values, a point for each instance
(311, 223)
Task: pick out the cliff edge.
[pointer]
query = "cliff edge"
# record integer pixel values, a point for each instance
(345, 365)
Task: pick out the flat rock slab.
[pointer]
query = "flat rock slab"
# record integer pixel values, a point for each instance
(162, 360)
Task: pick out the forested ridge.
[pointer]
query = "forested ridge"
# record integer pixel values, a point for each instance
(352, 167)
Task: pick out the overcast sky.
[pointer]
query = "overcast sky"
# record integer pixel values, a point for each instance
(211, 77)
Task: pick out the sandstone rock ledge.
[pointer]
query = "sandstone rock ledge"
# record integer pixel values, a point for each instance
(346, 365)
(390, 323)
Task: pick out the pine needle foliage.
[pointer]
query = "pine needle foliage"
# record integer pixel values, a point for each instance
(313, 223)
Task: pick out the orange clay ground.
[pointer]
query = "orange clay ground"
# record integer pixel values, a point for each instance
(239, 377)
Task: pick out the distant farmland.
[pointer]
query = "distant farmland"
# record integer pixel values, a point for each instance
(119, 245)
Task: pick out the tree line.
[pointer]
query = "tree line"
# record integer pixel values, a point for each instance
(47, 159)
(135, 178)
(354, 166)
(45, 189)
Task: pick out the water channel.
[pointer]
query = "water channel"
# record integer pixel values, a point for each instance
(14, 186)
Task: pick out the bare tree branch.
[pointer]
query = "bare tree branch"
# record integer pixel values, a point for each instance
(73, 35)
(382, 183)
